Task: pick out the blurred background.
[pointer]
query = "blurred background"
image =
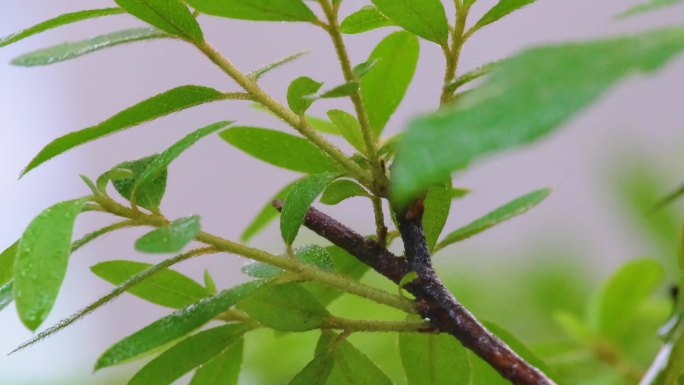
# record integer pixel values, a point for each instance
(607, 166)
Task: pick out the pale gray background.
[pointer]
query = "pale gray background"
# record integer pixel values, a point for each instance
(640, 118)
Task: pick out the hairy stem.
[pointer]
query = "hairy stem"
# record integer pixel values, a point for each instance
(452, 53)
(351, 325)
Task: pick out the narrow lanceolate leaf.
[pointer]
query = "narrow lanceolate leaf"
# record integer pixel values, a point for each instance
(621, 296)
(58, 21)
(160, 163)
(41, 261)
(648, 6)
(352, 367)
(267, 214)
(434, 359)
(223, 369)
(341, 190)
(171, 16)
(287, 307)
(298, 201)
(437, 205)
(315, 372)
(171, 238)
(385, 85)
(311, 255)
(258, 73)
(5, 295)
(174, 326)
(280, 149)
(155, 107)
(72, 50)
(297, 91)
(149, 197)
(471, 76)
(509, 210)
(7, 258)
(526, 98)
(500, 10)
(259, 10)
(362, 69)
(365, 19)
(166, 288)
(349, 127)
(425, 18)
(341, 91)
(188, 354)
(209, 283)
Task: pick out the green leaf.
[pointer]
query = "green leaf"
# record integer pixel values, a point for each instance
(408, 278)
(67, 18)
(41, 261)
(7, 263)
(72, 50)
(312, 254)
(647, 6)
(174, 326)
(615, 306)
(425, 18)
(280, 149)
(362, 69)
(471, 76)
(166, 288)
(209, 283)
(171, 238)
(155, 107)
(502, 9)
(508, 211)
(171, 16)
(385, 85)
(224, 369)
(341, 91)
(315, 372)
(344, 264)
(434, 359)
(188, 354)
(526, 98)
(350, 129)
(352, 367)
(149, 197)
(365, 19)
(258, 73)
(340, 190)
(266, 215)
(287, 307)
(298, 201)
(258, 10)
(297, 91)
(158, 165)
(6, 297)
(437, 205)
(322, 125)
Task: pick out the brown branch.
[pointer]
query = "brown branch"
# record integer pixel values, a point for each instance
(437, 304)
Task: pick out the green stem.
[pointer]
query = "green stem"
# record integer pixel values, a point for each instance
(453, 53)
(98, 233)
(351, 325)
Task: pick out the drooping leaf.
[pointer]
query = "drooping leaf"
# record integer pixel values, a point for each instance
(612, 310)
(287, 307)
(385, 85)
(41, 261)
(344, 264)
(500, 10)
(508, 211)
(224, 369)
(425, 18)
(315, 372)
(152, 194)
(349, 127)
(171, 238)
(166, 288)
(155, 107)
(258, 73)
(298, 201)
(352, 367)
(174, 326)
(259, 10)
(280, 149)
(646, 6)
(67, 18)
(524, 99)
(171, 16)
(437, 205)
(266, 215)
(72, 50)
(7, 258)
(342, 189)
(188, 354)
(365, 19)
(6, 295)
(297, 91)
(434, 359)
(158, 165)
(311, 254)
